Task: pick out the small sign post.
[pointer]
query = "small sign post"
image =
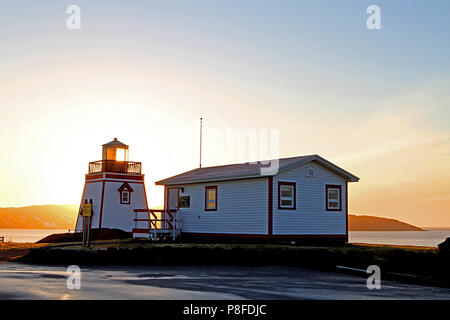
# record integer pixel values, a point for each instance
(86, 212)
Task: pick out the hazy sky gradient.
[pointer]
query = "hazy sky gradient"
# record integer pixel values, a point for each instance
(374, 102)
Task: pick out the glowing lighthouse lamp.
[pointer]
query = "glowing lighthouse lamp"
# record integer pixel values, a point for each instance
(114, 186)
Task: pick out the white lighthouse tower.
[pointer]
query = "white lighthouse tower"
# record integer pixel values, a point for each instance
(116, 187)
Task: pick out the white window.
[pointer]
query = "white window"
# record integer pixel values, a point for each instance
(125, 193)
(125, 197)
(310, 172)
(185, 202)
(333, 194)
(286, 195)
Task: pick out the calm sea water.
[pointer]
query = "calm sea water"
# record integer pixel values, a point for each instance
(429, 238)
(27, 235)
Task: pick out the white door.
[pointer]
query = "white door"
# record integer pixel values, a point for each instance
(172, 201)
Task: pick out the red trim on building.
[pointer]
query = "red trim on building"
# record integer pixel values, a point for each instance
(145, 195)
(168, 197)
(333, 186)
(121, 197)
(310, 236)
(93, 177)
(101, 206)
(93, 181)
(292, 184)
(126, 177)
(262, 236)
(226, 235)
(270, 206)
(165, 198)
(346, 209)
(124, 186)
(138, 230)
(135, 182)
(206, 197)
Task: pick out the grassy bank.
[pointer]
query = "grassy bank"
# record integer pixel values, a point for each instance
(414, 263)
(11, 250)
(16, 245)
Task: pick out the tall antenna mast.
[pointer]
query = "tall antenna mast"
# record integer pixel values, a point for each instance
(201, 124)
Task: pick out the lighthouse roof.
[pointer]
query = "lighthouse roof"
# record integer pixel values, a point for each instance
(115, 144)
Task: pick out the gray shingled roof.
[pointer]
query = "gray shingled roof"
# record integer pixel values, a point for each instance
(115, 144)
(249, 170)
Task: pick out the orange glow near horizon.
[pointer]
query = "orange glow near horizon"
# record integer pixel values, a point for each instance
(403, 165)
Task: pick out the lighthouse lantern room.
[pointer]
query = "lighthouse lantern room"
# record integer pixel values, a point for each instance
(115, 151)
(115, 186)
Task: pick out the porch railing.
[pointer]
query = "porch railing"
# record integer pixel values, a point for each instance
(159, 221)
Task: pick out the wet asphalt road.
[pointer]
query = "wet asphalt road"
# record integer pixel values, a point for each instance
(22, 281)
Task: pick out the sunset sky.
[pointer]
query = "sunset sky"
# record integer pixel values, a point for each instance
(375, 102)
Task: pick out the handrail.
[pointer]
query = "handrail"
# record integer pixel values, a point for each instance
(129, 167)
(167, 218)
(165, 221)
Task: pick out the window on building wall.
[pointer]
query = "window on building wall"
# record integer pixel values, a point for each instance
(211, 198)
(185, 202)
(333, 197)
(125, 197)
(286, 195)
(125, 193)
(310, 172)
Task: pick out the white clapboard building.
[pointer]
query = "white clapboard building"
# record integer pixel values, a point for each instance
(307, 197)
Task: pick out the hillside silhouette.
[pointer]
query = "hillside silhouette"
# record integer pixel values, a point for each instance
(39, 217)
(371, 223)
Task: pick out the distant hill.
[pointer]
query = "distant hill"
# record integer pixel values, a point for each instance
(39, 217)
(370, 223)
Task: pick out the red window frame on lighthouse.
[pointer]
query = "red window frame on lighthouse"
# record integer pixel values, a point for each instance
(128, 198)
(125, 189)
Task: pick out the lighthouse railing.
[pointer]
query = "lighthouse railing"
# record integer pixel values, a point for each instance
(129, 167)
